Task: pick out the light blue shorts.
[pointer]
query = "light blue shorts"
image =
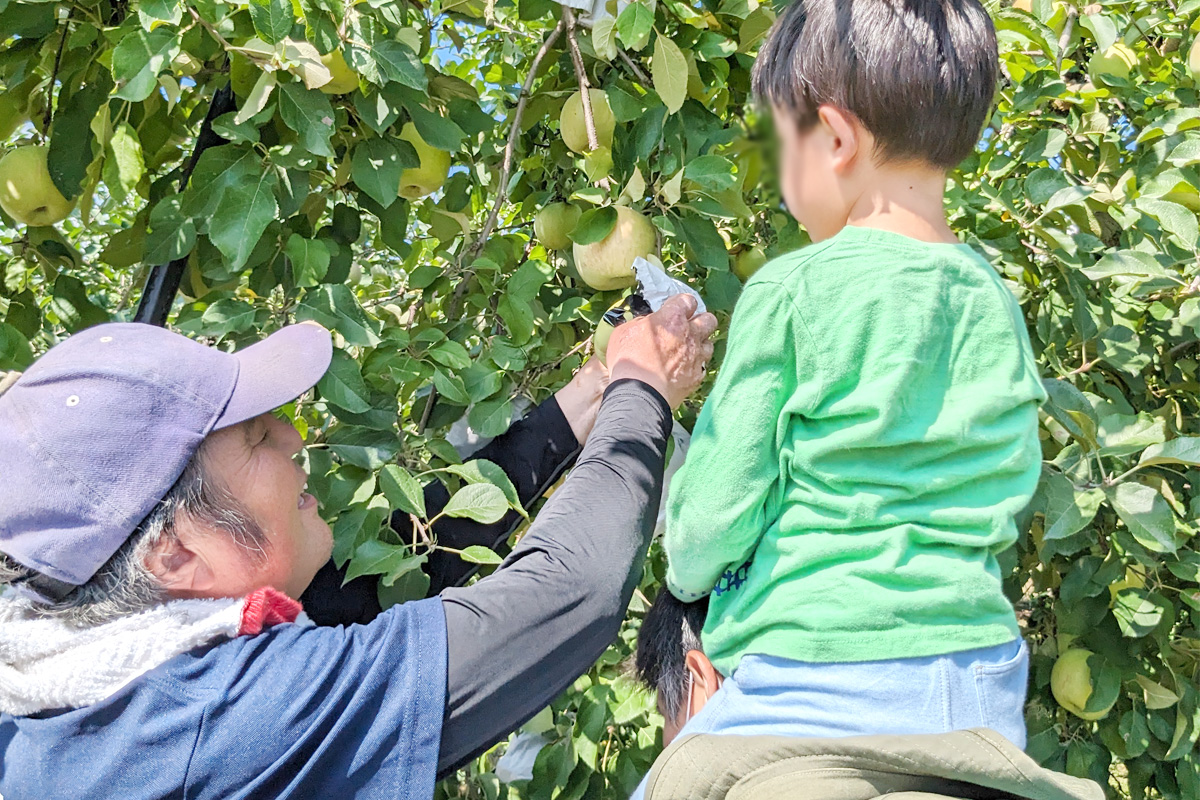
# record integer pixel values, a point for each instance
(767, 695)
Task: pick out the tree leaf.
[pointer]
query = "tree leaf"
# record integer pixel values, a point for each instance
(245, 211)
(668, 71)
(604, 38)
(491, 417)
(343, 384)
(73, 307)
(1126, 262)
(335, 307)
(480, 470)
(594, 225)
(1182, 450)
(72, 138)
(399, 63)
(310, 259)
(377, 164)
(273, 19)
(123, 166)
(402, 490)
(374, 557)
(1156, 695)
(1146, 514)
(481, 502)
(478, 554)
(256, 101)
(170, 235)
(308, 113)
(138, 59)
(715, 173)
(634, 25)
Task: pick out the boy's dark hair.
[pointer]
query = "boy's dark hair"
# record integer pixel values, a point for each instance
(671, 628)
(919, 74)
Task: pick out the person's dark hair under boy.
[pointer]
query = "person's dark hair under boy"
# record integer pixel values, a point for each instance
(671, 662)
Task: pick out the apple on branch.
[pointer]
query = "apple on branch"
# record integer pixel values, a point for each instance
(553, 225)
(431, 174)
(608, 263)
(27, 193)
(573, 128)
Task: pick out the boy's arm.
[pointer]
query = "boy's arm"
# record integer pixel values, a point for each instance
(718, 503)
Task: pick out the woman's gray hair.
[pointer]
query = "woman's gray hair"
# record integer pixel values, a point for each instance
(124, 585)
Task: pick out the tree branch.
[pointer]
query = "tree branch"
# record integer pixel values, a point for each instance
(633, 65)
(510, 148)
(489, 224)
(589, 121)
(49, 115)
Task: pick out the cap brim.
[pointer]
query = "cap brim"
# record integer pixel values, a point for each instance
(276, 371)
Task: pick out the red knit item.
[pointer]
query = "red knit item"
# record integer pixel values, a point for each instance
(266, 607)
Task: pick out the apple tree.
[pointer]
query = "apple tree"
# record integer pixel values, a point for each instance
(429, 179)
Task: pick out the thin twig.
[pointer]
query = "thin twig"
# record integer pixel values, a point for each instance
(511, 146)
(476, 246)
(208, 27)
(585, 95)
(1065, 39)
(629, 62)
(49, 115)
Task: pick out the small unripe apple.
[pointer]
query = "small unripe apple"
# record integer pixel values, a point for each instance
(608, 263)
(344, 79)
(27, 193)
(573, 128)
(1117, 61)
(431, 174)
(621, 312)
(748, 262)
(1193, 61)
(553, 225)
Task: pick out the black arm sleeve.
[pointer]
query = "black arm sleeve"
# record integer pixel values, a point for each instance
(534, 452)
(517, 638)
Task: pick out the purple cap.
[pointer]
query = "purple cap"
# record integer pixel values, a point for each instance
(98, 429)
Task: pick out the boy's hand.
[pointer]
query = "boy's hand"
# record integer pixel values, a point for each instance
(668, 349)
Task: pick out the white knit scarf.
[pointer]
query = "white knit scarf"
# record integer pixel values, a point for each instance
(47, 664)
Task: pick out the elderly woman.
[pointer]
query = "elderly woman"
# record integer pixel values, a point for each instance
(156, 537)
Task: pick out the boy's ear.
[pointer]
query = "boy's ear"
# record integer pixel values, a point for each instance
(847, 137)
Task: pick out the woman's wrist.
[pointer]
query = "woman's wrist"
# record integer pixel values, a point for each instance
(580, 399)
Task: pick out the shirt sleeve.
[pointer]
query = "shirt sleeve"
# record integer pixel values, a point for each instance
(721, 498)
(520, 636)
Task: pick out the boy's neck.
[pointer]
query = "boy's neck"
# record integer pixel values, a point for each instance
(903, 199)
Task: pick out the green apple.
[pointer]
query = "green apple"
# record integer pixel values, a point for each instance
(1193, 61)
(608, 263)
(1071, 684)
(27, 194)
(1116, 62)
(573, 128)
(431, 174)
(553, 225)
(748, 262)
(344, 80)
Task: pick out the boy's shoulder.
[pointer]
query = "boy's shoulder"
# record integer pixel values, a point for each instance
(831, 264)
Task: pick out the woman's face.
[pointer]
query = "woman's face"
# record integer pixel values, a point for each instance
(253, 462)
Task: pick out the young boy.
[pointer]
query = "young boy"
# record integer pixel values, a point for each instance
(873, 429)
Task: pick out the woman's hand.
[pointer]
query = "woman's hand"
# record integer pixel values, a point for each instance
(668, 349)
(580, 399)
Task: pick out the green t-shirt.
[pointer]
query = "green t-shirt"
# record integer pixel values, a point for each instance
(858, 464)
